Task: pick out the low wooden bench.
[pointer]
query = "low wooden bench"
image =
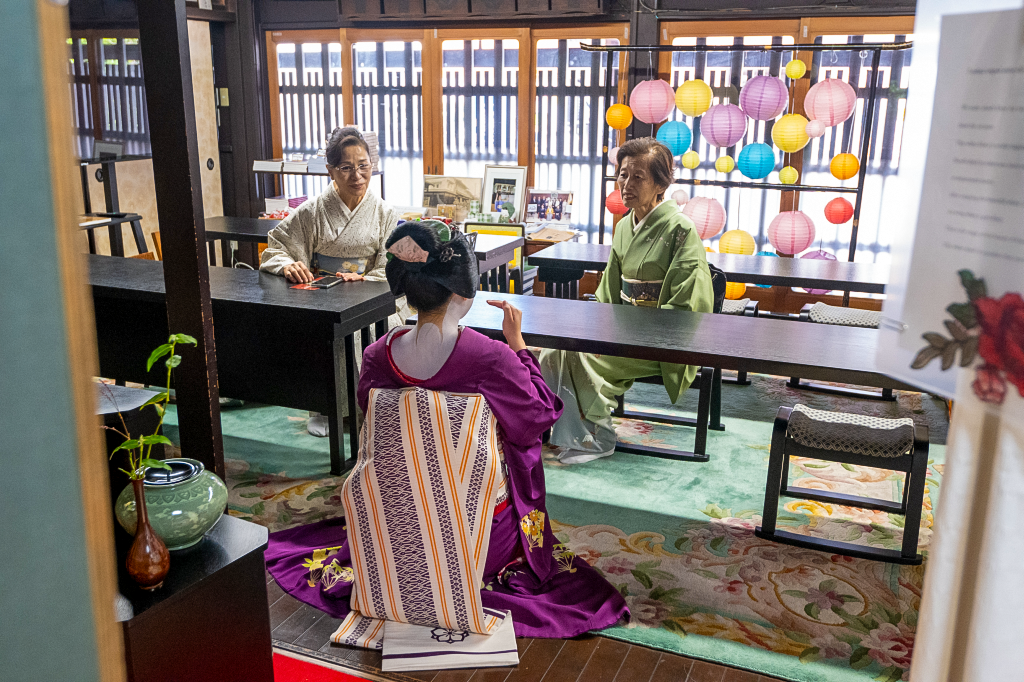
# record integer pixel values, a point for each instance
(712, 342)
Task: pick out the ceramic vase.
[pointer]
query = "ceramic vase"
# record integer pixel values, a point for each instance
(148, 560)
(183, 502)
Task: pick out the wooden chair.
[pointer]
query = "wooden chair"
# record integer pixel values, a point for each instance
(894, 444)
(156, 245)
(516, 266)
(149, 255)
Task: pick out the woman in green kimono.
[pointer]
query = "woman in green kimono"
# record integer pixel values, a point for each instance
(657, 261)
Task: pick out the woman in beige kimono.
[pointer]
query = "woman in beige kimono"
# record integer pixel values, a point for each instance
(658, 261)
(346, 222)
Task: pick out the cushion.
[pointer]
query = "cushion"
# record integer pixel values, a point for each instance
(734, 307)
(823, 313)
(852, 433)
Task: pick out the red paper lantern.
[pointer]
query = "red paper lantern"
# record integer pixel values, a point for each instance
(838, 211)
(614, 203)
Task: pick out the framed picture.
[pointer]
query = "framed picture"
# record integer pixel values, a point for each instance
(441, 190)
(552, 205)
(503, 184)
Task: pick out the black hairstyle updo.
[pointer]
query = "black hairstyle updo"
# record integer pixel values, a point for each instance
(451, 266)
(340, 139)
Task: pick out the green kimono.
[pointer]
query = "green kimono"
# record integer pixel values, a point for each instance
(665, 249)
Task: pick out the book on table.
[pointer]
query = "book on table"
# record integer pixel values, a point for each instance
(268, 165)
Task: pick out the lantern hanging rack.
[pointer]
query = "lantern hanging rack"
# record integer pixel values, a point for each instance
(867, 123)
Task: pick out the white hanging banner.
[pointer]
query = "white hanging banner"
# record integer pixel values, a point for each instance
(958, 305)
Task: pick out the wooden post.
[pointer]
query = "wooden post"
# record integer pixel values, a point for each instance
(163, 38)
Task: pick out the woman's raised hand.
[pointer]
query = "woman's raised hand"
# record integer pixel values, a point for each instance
(512, 325)
(297, 272)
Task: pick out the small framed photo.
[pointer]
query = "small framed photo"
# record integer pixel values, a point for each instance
(552, 205)
(503, 184)
(446, 190)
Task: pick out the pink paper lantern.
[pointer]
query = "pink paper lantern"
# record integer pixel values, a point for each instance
(818, 255)
(791, 232)
(652, 101)
(815, 129)
(707, 214)
(613, 156)
(764, 98)
(830, 101)
(723, 125)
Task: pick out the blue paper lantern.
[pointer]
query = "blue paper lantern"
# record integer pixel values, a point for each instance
(756, 160)
(766, 253)
(676, 136)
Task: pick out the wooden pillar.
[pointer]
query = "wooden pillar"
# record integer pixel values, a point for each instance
(163, 38)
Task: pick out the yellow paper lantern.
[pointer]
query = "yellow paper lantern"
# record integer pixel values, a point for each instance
(691, 159)
(789, 175)
(693, 97)
(735, 290)
(738, 242)
(725, 164)
(709, 249)
(790, 133)
(619, 116)
(844, 166)
(795, 69)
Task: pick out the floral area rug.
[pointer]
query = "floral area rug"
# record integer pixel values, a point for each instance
(677, 538)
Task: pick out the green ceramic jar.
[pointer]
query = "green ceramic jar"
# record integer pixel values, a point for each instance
(183, 502)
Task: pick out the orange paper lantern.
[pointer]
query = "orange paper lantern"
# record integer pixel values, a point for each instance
(838, 211)
(619, 116)
(735, 290)
(844, 166)
(614, 203)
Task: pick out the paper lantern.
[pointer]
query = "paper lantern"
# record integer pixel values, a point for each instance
(738, 242)
(676, 136)
(815, 129)
(614, 203)
(818, 255)
(764, 98)
(830, 101)
(724, 164)
(693, 97)
(770, 254)
(709, 249)
(838, 211)
(707, 214)
(619, 116)
(723, 125)
(756, 160)
(691, 160)
(790, 133)
(735, 290)
(844, 166)
(681, 197)
(652, 101)
(789, 175)
(613, 156)
(791, 232)
(795, 69)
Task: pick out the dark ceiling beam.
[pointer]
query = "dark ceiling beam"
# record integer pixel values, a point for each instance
(163, 39)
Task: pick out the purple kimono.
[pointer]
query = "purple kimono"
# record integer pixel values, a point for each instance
(550, 592)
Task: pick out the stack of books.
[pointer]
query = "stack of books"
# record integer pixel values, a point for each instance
(274, 204)
(268, 165)
(295, 163)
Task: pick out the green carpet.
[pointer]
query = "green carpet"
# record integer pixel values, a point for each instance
(677, 538)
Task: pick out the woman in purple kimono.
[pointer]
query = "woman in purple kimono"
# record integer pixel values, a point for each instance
(550, 592)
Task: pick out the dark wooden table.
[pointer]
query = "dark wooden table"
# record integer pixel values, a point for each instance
(275, 345)
(113, 224)
(564, 264)
(210, 621)
(229, 229)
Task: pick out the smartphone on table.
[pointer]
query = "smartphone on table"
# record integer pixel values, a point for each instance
(326, 282)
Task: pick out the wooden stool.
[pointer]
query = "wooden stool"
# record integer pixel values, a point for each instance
(895, 444)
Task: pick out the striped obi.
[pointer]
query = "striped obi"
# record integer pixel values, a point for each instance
(418, 506)
(640, 292)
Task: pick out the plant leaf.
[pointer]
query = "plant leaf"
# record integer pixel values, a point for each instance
(157, 353)
(828, 585)
(849, 467)
(706, 574)
(159, 409)
(956, 329)
(183, 338)
(924, 356)
(949, 355)
(963, 313)
(860, 658)
(173, 361)
(936, 339)
(975, 287)
(812, 610)
(127, 445)
(149, 462)
(969, 351)
(795, 593)
(155, 440)
(157, 398)
(643, 578)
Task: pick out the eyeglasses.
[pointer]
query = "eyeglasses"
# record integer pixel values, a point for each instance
(363, 168)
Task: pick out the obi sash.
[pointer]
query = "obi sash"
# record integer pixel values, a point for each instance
(418, 507)
(641, 293)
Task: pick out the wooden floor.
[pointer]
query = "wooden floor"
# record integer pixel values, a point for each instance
(303, 629)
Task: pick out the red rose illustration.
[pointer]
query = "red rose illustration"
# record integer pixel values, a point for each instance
(989, 386)
(1002, 336)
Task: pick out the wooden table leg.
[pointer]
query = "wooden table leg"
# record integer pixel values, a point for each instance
(503, 278)
(350, 387)
(140, 239)
(92, 241)
(116, 243)
(335, 423)
(381, 328)
(365, 333)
